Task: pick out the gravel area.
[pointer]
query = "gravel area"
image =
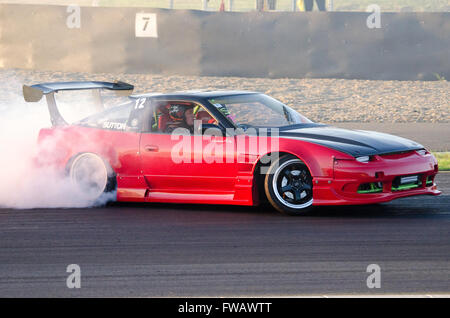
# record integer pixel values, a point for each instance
(323, 100)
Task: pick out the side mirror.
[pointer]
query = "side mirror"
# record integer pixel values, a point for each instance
(212, 130)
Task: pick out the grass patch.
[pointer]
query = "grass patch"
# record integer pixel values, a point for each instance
(443, 159)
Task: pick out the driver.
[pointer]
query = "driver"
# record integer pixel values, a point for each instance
(181, 116)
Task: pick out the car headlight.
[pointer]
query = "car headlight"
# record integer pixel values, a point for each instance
(364, 159)
(422, 152)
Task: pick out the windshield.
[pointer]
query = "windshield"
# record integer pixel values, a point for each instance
(257, 110)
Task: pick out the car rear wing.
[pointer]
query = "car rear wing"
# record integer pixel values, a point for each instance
(35, 93)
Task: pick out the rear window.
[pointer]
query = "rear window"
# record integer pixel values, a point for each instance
(115, 118)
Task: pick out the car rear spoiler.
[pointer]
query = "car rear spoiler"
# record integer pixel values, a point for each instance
(34, 93)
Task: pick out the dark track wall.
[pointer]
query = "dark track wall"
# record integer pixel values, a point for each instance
(408, 46)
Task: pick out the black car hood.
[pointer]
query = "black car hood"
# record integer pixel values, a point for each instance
(353, 142)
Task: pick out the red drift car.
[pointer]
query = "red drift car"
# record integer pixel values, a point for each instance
(223, 147)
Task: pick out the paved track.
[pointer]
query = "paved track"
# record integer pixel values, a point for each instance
(433, 136)
(173, 250)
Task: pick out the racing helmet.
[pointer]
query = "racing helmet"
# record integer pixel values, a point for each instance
(176, 112)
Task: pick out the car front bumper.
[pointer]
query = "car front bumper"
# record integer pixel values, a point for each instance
(343, 188)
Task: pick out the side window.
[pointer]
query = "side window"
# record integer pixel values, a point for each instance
(170, 115)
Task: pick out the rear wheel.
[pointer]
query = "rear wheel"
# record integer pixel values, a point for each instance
(288, 186)
(92, 176)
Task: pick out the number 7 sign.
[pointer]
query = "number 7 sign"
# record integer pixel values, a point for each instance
(145, 25)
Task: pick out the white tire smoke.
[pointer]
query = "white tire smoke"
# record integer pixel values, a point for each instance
(24, 184)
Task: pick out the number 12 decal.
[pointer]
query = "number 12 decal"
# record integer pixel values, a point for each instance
(139, 103)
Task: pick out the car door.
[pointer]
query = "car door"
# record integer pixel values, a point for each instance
(180, 165)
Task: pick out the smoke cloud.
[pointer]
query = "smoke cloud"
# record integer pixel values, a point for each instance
(23, 184)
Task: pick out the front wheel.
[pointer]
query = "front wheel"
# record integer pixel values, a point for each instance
(288, 186)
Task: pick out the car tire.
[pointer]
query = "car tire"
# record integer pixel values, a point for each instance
(92, 176)
(288, 186)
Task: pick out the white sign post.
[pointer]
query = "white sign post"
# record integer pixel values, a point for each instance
(330, 5)
(230, 5)
(146, 26)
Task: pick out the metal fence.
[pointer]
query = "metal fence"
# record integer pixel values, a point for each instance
(261, 5)
(240, 5)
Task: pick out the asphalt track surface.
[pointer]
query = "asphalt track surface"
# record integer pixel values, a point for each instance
(434, 136)
(192, 250)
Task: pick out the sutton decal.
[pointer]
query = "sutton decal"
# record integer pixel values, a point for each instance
(112, 125)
